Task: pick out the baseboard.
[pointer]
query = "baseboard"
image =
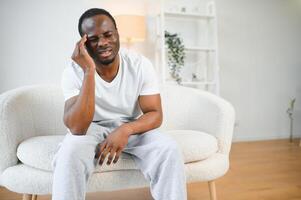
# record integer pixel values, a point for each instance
(242, 138)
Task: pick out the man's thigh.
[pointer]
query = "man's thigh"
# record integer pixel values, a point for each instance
(152, 140)
(81, 146)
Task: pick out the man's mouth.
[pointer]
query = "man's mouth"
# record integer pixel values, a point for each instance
(105, 53)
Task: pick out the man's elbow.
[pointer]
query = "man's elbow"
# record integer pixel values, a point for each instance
(159, 120)
(78, 131)
(75, 128)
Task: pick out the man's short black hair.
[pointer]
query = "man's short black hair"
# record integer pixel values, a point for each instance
(90, 13)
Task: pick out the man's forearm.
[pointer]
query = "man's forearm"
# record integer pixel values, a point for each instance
(145, 122)
(80, 115)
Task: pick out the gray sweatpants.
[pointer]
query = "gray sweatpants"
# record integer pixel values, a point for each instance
(155, 154)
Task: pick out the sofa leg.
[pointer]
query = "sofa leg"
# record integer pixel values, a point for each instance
(212, 190)
(27, 197)
(34, 197)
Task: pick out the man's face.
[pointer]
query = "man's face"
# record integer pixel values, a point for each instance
(103, 39)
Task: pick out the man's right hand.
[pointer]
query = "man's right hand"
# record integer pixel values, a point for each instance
(81, 56)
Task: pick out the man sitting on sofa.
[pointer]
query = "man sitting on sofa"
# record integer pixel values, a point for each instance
(113, 105)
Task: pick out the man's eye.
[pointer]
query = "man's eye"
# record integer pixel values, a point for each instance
(93, 40)
(108, 35)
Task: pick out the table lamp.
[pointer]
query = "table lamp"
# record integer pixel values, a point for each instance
(131, 28)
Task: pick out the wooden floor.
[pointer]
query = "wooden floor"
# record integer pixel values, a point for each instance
(265, 170)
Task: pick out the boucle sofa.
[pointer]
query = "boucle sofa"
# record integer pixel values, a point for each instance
(31, 127)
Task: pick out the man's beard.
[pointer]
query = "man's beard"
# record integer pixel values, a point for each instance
(103, 62)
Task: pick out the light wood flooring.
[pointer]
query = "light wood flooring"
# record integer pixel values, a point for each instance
(261, 170)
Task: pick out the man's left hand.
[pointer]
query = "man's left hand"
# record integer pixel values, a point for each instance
(113, 144)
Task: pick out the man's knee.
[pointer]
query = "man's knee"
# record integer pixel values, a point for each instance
(164, 142)
(76, 148)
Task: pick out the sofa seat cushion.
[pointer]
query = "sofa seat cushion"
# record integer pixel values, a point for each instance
(195, 145)
(38, 152)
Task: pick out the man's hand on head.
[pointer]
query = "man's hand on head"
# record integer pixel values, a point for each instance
(82, 57)
(113, 145)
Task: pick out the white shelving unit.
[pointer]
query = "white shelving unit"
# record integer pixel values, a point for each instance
(196, 24)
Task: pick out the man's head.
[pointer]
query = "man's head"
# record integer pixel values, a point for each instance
(102, 35)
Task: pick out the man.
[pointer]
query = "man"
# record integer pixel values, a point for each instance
(112, 105)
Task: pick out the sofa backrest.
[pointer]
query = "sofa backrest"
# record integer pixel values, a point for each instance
(38, 108)
(188, 108)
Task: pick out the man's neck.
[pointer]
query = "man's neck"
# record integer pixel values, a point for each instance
(108, 72)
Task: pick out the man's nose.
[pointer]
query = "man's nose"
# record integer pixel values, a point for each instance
(103, 41)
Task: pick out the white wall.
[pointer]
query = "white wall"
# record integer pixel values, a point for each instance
(36, 41)
(37, 37)
(259, 53)
(260, 60)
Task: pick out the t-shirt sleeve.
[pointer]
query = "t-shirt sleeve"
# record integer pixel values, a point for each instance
(70, 82)
(150, 83)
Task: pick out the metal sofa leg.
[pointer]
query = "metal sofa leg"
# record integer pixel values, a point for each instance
(212, 190)
(27, 197)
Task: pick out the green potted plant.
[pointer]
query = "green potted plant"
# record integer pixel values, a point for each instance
(290, 112)
(175, 55)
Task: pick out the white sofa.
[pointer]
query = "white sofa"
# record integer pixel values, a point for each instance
(31, 127)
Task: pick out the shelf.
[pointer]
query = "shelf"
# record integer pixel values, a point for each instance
(197, 27)
(196, 48)
(188, 15)
(199, 48)
(197, 83)
(192, 82)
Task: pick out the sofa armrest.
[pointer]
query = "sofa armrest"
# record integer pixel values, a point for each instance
(194, 109)
(221, 125)
(27, 112)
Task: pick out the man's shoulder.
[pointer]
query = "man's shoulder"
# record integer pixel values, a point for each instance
(135, 62)
(133, 58)
(72, 70)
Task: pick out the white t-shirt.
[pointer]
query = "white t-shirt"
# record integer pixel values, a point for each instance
(116, 100)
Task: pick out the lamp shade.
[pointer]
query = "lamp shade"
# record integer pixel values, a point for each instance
(131, 28)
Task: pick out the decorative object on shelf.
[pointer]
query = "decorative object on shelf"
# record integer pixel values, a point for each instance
(290, 112)
(210, 8)
(194, 77)
(175, 54)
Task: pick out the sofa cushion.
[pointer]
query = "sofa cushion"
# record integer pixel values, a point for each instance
(195, 145)
(39, 151)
